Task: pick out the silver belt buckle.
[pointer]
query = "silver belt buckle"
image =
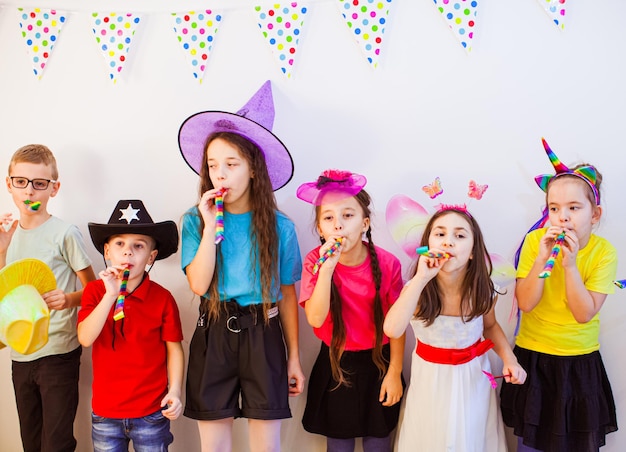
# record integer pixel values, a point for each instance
(232, 330)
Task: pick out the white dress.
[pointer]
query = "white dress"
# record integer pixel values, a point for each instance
(450, 407)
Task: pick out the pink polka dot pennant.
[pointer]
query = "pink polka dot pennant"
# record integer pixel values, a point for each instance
(367, 20)
(40, 29)
(461, 18)
(556, 10)
(114, 33)
(196, 32)
(281, 26)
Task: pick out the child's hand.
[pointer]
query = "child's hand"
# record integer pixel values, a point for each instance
(515, 373)
(331, 261)
(207, 208)
(547, 243)
(6, 234)
(56, 299)
(428, 267)
(112, 279)
(390, 389)
(174, 406)
(296, 377)
(570, 249)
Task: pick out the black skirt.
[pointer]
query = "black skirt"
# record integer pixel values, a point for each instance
(566, 403)
(348, 411)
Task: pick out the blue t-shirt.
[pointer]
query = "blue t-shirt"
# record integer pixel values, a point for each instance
(240, 277)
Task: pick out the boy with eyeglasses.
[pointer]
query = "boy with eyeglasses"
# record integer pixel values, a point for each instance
(46, 381)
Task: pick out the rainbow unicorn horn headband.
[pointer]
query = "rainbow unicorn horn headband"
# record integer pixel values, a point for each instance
(586, 173)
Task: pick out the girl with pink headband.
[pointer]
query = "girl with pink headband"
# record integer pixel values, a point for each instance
(566, 403)
(450, 404)
(348, 285)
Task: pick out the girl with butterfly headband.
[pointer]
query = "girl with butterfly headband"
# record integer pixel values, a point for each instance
(449, 303)
(566, 403)
(348, 285)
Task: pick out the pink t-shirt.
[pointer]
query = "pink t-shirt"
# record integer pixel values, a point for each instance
(356, 289)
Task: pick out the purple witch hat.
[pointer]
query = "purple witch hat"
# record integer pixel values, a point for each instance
(253, 121)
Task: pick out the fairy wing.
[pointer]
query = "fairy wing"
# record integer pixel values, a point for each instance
(406, 220)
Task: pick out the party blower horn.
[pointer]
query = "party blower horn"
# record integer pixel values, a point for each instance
(24, 316)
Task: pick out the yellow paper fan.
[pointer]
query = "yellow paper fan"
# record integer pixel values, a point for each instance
(26, 271)
(24, 316)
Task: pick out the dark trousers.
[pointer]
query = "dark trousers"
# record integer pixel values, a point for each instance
(46, 392)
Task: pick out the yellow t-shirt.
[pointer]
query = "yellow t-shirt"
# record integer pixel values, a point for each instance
(550, 327)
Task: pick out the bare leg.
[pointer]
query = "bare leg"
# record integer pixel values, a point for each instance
(264, 436)
(216, 436)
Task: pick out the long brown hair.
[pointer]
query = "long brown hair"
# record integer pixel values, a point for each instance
(263, 235)
(338, 341)
(477, 286)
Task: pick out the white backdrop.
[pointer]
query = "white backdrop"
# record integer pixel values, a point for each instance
(428, 110)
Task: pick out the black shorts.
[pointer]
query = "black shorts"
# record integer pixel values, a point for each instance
(237, 355)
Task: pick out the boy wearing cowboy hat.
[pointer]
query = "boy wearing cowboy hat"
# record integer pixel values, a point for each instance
(46, 380)
(134, 326)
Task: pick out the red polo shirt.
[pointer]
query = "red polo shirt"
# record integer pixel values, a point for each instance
(129, 356)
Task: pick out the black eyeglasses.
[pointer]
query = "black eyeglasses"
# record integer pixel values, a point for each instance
(38, 184)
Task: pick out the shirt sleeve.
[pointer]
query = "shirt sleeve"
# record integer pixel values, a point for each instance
(75, 250)
(90, 299)
(290, 260)
(530, 250)
(172, 330)
(190, 237)
(604, 272)
(309, 280)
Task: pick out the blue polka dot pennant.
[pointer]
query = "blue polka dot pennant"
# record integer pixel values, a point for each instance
(40, 29)
(460, 16)
(114, 33)
(367, 20)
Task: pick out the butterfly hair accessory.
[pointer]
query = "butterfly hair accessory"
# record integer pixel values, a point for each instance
(434, 189)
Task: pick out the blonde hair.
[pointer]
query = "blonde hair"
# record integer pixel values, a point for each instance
(35, 153)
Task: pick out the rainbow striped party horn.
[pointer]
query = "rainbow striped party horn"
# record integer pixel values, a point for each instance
(547, 269)
(118, 313)
(424, 251)
(329, 252)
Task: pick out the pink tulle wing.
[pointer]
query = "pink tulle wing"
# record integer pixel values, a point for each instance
(406, 220)
(503, 272)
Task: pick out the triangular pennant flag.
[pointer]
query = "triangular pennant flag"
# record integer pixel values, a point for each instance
(196, 32)
(461, 18)
(281, 26)
(40, 30)
(366, 19)
(556, 10)
(114, 33)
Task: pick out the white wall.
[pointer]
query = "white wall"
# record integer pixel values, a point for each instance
(428, 110)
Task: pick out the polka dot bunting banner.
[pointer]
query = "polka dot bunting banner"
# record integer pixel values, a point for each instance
(114, 33)
(196, 32)
(556, 11)
(40, 29)
(367, 20)
(461, 18)
(281, 26)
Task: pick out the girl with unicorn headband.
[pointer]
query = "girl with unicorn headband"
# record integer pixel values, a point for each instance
(566, 403)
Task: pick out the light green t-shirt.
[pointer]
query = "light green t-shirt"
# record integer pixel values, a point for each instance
(60, 245)
(551, 327)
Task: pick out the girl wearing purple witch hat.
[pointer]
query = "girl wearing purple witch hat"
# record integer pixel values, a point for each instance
(348, 285)
(566, 403)
(245, 277)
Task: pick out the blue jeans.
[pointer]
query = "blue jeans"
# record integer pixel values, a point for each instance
(149, 433)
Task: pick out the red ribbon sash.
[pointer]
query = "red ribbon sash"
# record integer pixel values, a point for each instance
(452, 356)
